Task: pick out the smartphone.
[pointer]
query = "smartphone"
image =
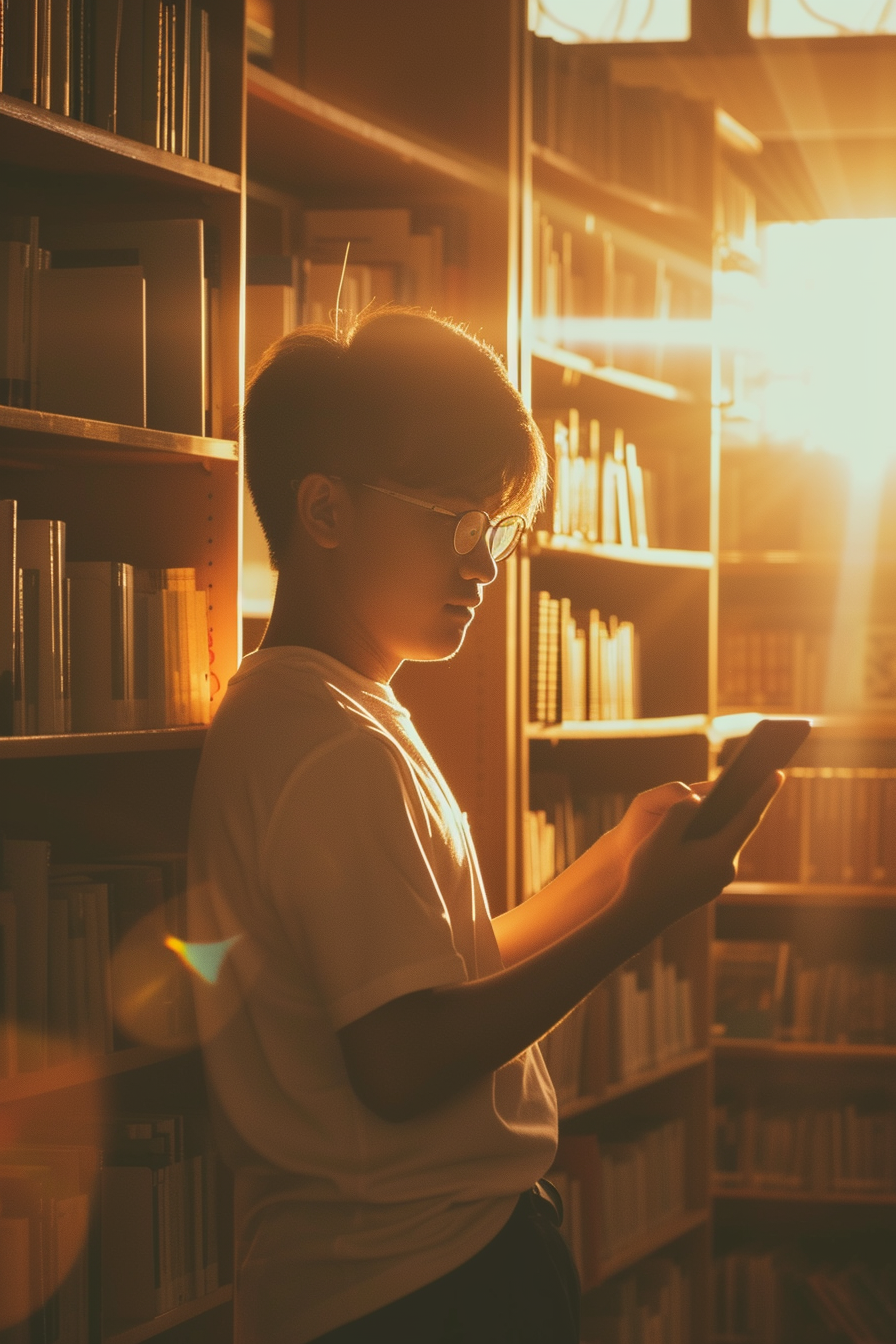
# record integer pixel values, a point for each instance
(769, 747)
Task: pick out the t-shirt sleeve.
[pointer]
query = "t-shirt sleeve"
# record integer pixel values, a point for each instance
(346, 867)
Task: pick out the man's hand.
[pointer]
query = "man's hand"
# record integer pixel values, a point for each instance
(644, 814)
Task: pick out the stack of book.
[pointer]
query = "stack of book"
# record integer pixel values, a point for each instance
(71, 936)
(95, 646)
(158, 1217)
(140, 70)
(772, 668)
(609, 501)
(647, 139)
(640, 1017)
(764, 990)
(828, 824)
(848, 1149)
(581, 672)
(628, 1187)
(652, 1305)
(113, 321)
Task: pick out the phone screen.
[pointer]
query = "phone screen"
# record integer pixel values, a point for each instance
(769, 747)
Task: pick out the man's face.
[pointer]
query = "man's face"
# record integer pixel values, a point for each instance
(407, 592)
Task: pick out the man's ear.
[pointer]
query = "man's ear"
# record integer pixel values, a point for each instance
(322, 507)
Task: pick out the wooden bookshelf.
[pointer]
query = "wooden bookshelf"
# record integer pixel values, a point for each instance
(809, 894)
(148, 497)
(86, 1070)
(562, 176)
(547, 543)
(822, 1197)
(34, 137)
(680, 725)
(657, 1239)
(609, 373)
(102, 744)
(692, 1059)
(804, 1052)
(189, 1311)
(34, 437)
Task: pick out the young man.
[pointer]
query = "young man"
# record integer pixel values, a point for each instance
(370, 1043)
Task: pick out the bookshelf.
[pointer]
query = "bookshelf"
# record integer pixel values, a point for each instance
(594, 243)
(782, 563)
(152, 497)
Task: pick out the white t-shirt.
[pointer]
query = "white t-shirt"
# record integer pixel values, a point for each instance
(325, 841)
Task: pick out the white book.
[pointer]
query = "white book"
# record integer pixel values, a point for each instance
(59, 1043)
(15, 321)
(41, 549)
(102, 646)
(622, 504)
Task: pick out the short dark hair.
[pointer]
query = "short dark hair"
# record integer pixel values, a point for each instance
(401, 395)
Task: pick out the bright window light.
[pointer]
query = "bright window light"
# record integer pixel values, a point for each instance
(829, 337)
(611, 20)
(821, 18)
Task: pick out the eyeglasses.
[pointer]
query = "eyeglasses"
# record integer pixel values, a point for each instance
(502, 535)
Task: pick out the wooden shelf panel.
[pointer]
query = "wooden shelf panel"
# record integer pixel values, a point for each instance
(149, 1329)
(547, 543)
(606, 373)
(76, 1072)
(654, 1240)
(737, 723)
(670, 1069)
(35, 138)
(296, 138)
(764, 1195)
(807, 894)
(56, 438)
(682, 725)
(553, 170)
(792, 562)
(804, 1051)
(102, 744)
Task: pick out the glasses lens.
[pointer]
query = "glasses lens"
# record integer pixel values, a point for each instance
(503, 537)
(468, 532)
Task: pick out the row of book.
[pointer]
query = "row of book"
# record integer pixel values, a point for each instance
(773, 668)
(626, 1187)
(139, 68)
(559, 827)
(772, 1297)
(581, 672)
(609, 499)
(637, 1019)
(95, 645)
(647, 139)
(838, 1149)
(116, 321)
(394, 256)
(828, 824)
(72, 936)
(764, 991)
(650, 1305)
(142, 1211)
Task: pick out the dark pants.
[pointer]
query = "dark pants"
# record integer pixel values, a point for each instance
(522, 1288)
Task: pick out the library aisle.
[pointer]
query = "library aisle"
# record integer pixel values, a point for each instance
(676, 224)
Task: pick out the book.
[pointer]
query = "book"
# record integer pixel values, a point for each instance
(272, 288)
(750, 982)
(171, 677)
(41, 551)
(8, 985)
(91, 350)
(102, 646)
(171, 253)
(15, 317)
(8, 606)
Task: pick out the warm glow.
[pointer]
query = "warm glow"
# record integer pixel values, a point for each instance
(611, 20)
(821, 18)
(827, 326)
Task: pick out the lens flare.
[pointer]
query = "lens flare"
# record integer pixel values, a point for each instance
(205, 959)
